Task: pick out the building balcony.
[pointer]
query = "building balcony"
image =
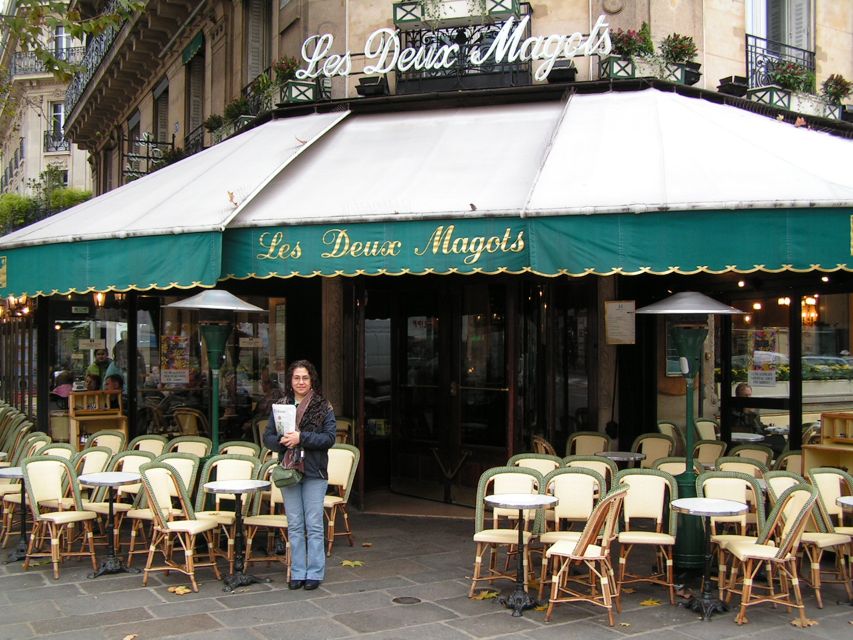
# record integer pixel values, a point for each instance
(762, 54)
(55, 141)
(26, 63)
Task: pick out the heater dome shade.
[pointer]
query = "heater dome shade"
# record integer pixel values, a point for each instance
(214, 299)
(689, 302)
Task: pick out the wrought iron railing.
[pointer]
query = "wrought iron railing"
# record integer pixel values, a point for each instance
(762, 54)
(141, 156)
(260, 93)
(26, 62)
(95, 53)
(194, 141)
(464, 75)
(55, 141)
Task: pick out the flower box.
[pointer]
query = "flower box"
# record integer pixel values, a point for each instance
(796, 101)
(298, 92)
(733, 86)
(618, 67)
(420, 14)
(681, 73)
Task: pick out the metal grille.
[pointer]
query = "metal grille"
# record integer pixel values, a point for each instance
(26, 62)
(55, 141)
(762, 54)
(194, 141)
(141, 156)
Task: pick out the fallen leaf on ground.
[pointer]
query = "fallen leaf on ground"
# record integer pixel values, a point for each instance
(366, 544)
(540, 607)
(628, 590)
(485, 595)
(352, 563)
(651, 602)
(131, 636)
(179, 591)
(796, 622)
(624, 624)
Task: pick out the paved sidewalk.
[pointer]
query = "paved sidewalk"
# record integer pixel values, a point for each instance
(427, 559)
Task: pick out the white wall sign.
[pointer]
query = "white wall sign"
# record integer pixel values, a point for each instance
(250, 343)
(97, 343)
(386, 53)
(619, 321)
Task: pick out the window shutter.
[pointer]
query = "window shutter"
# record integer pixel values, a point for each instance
(195, 105)
(799, 24)
(161, 106)
(776, 21)
(257, 49)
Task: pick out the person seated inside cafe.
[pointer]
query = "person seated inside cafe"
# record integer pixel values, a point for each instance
(747, 420)
(59, 393)
(114, 382)
(93, 382)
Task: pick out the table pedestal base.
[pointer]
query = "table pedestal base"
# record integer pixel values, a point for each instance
(19, 552)
(113, 564)
(518, 601)
(706, 604)
(240, 579)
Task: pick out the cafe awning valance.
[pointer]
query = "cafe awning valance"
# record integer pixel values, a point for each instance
(617, 182)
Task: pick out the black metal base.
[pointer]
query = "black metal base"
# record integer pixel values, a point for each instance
(113, 564)
(706, 605)
(19, 553)
(518, 601)
(240, 579)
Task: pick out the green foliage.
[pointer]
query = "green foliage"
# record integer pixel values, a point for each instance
(213, 122)
(676, 48)
(170, 155)
(632, 43)
(16, 211)
(284, 69)
(792, 76)
(67, 197)
(236, 108)
(835, 88)
(33, 18)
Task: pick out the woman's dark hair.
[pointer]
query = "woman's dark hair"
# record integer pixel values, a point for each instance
(312, 373)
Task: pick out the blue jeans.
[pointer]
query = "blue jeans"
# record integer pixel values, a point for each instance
(303, 504)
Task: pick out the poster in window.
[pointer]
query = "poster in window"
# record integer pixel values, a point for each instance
(174, 360)
(619, 321)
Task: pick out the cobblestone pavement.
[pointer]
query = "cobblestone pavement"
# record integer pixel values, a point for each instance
(427, 561)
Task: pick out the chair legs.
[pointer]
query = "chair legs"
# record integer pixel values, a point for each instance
(331, 516)
(187, 542)
(492, 573)
(55, 533)
(785, 571)
(602, 585)
(663, 577)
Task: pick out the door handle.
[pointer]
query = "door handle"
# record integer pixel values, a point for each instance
(454, 389)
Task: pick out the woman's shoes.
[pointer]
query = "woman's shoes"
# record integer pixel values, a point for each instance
(297, 584)
(310, 585)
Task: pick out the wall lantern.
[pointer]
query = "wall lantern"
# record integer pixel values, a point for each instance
(809, 311)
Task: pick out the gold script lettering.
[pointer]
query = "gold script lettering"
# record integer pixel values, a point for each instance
(442, 241)
(277, 249)
(343, 246)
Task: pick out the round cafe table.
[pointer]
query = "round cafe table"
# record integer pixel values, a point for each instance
(520, 599)
(622, 456)
(238, 487)
(707, 508)
(845, 502)
(19, 552)
(3, 455)
(111, 480)
(741, 436)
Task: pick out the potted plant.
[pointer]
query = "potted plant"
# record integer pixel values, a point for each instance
(632, 54)
(678, 53)
(236, 110)
(418, 14)
(791, 87)
(834, 89)
(284, 69)
(213, 122)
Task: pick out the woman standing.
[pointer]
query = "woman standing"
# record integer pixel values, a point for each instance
(303, 502)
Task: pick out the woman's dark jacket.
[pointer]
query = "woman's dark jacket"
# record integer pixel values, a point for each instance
(317, 433)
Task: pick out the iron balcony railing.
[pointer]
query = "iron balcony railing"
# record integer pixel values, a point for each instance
(55, 141)
(95, 53)
(26, 62)
(762, 54)
(141, 156)
(194, 141)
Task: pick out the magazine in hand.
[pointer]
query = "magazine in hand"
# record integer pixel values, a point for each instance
(285, 418)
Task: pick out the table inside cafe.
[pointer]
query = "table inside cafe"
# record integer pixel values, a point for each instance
(520, 599)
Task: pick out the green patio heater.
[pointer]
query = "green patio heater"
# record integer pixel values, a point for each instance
(216, 309)
(689, 311)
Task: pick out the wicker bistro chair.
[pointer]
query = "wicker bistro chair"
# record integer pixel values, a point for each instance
(542, 462)
(241, 448)
(149, 442)
(196, 445)
(500, 534)
(675, 465)
(191, 422)
(818, 536)
(578, 490)
(11, 492)
(141, 514)
(759, 452)
(789, 461)
(832, 483)
(670, 429)
(162, 482)
(603, 466)
(784, 525)
(225, 467)
(587, 443)
(45, 478)
(60, 449)
(708, 451)
(707, 429)
(343, 463)
(112, 439)
(742, 464)
(649, 493)
(655, 446)
(591, 550)
(268, 514)
(541, 445)
(740, 487)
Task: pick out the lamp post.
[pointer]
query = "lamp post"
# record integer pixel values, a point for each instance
(688, 333)
(214, 329)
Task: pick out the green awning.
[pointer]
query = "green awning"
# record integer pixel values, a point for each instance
(193, 47)
(182, 261)
(602, 244)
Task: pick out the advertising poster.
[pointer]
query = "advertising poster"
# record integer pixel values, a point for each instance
(174, 360)
(762, 368)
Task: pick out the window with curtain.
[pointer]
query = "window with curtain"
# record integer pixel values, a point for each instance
(258, 38)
